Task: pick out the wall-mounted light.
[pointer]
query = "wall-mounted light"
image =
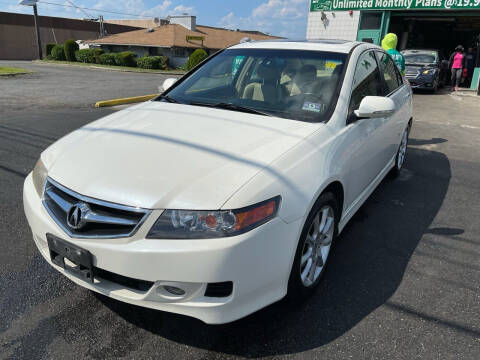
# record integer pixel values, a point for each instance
(350, 12)
(323, 16)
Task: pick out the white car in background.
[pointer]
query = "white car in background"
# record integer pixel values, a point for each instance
(227, 191)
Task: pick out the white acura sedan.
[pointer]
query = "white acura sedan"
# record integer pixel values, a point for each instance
(226, 192)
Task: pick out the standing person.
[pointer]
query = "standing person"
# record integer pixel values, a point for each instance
(470, 65)
(456, 64)
(389, 44)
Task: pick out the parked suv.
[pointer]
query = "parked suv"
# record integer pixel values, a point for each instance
(226, 192)
(425, 69)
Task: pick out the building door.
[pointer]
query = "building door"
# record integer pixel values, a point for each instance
(372, 26)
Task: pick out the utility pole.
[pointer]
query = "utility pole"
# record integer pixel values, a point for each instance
(37, 31)
(102, 26)
(35, 19)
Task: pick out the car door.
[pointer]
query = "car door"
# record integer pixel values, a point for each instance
(365, 147)
(395, 89)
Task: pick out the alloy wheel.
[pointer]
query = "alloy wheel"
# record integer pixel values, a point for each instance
(402, 150)
(317, 245)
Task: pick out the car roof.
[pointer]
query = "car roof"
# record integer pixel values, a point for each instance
(340, 46)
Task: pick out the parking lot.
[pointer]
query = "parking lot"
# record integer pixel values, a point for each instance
(403, 282)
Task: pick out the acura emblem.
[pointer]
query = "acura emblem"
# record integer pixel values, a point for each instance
(77, 216)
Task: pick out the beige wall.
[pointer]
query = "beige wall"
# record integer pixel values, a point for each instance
(18, 42)
(18, 39)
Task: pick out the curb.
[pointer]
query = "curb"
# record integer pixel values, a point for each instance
(14, 74)
(160, 72)
(122, 101)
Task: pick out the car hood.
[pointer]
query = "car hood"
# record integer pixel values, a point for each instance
(159, 155)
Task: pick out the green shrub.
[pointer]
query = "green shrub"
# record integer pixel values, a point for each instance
(49, 48)
(84, 55)
(196, 58)
(126, 58)
(96, 55)
(89, 55)
(117, 58)
(107, 59)
(147, 62)
(163, 62)
(58, 53)
(152, 62)
(70, 46)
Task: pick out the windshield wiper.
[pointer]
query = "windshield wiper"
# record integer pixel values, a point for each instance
(167, 98)
(233, 107)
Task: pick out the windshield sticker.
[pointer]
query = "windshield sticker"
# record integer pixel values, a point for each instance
(331, 65)
(315, 107)
(236, 64)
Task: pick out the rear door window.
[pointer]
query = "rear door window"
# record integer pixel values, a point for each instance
(389, 72)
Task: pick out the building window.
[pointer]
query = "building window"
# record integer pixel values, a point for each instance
(371, 21)
(180, 52)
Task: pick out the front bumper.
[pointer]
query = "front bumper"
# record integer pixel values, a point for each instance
(422, 82)
(257, 262)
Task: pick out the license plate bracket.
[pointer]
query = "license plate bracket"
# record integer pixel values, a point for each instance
(81, 258)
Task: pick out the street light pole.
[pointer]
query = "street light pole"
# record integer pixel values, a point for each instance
(37, 31)
(35, 19)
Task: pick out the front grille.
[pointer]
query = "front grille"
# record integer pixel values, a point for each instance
(219, 289)
(140, 285)
(411, 73)
(96, 219)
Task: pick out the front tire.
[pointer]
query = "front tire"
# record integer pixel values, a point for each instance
(435, 86)
(314, 247)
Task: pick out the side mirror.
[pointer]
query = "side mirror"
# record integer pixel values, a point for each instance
(375, 107)
(167, 84)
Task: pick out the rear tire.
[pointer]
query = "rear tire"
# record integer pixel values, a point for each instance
(401, 153)
(314, 247)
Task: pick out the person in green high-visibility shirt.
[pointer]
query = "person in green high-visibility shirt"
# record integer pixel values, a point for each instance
(389, 44)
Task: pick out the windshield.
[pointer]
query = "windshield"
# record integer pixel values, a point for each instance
(421, 58)
(293, 84)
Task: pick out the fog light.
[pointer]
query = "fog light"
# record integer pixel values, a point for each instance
(174, 290)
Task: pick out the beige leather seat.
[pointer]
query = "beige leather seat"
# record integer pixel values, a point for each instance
(268, 91)
(304, 81)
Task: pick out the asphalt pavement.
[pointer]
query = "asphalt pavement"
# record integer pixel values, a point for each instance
(52, 86)
(403, 282)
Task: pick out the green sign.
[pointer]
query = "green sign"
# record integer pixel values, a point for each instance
(342, 5)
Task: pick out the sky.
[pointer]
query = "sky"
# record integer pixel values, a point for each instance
(287, 18)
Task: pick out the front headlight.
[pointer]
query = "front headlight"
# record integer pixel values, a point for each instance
(428, 72)
(39, 176)
(193, 224)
